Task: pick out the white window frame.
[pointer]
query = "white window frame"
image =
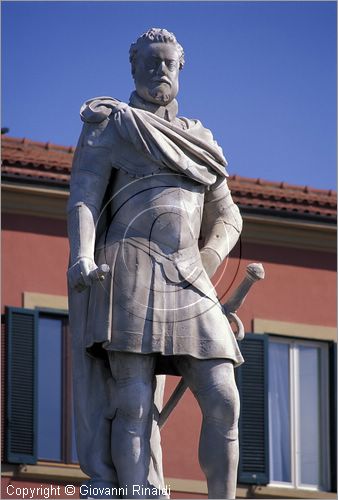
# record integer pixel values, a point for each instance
(295, 412)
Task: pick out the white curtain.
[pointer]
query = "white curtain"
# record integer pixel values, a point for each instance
(279, 412)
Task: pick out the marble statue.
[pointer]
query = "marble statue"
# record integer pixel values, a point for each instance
(149, 198)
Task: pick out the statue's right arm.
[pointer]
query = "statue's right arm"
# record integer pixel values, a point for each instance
(90, 175)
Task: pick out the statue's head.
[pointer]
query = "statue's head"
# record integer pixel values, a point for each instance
(156, 59)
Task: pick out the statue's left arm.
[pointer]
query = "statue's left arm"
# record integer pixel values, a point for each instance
(221, 226)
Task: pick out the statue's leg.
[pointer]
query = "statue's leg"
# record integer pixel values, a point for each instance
(131, 425)
(213, 384)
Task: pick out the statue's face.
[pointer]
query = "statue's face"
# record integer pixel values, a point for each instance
(156, 72)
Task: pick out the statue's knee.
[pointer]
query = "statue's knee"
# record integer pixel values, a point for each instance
(221, 405)
(135, 401)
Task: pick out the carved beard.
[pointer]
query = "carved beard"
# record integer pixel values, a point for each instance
(160, 96)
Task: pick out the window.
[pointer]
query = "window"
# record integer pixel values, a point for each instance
(298, 413)
(49, 389)
(288, 412)
(55, 422)
(39, 388)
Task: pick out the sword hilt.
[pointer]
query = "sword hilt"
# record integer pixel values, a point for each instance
(100, 273)
(254, 272)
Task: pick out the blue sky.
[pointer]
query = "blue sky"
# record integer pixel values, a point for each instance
(260, 75)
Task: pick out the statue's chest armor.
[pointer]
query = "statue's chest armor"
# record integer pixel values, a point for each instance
(165, 207)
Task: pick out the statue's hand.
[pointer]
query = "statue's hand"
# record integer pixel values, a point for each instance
(79, 274)
(210, 260)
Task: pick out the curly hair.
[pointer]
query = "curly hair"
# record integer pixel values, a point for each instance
(155, 35)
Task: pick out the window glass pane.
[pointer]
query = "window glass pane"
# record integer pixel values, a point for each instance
(279, 412)
(309, 399)
(49, 389)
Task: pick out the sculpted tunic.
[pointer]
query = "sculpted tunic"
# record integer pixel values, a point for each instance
(151, 203)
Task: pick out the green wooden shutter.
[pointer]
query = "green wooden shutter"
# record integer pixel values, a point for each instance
(333, 414)
(252, 380)
(3, 386)
(21, 432)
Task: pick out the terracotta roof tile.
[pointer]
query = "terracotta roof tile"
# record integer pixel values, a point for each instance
(48, 163)
(36, 160)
